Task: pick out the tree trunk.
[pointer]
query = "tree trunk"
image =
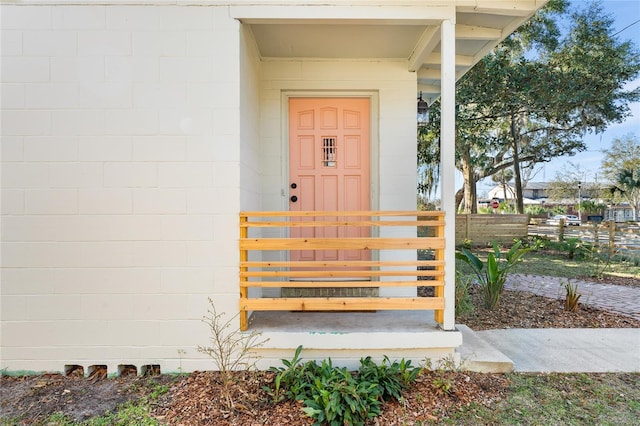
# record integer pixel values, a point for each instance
(470, 193)
(459, 197)
(517, 177)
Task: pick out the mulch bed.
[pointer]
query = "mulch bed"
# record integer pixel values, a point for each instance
(194, 401)
(519, 309)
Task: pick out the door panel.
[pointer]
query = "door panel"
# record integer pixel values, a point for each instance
(329, 164)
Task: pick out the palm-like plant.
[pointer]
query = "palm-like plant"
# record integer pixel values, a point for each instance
(628, 185)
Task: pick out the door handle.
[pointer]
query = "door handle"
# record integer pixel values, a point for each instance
(293, 198)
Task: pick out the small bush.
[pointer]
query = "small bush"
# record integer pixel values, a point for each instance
(493, 274)
(335, 396)
(230, 350)
(572, 296)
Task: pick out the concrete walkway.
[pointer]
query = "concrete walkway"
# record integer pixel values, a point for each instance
(565, 350)
(559, 350)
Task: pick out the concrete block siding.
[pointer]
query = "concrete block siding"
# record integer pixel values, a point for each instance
(120, 183)
(131, 138)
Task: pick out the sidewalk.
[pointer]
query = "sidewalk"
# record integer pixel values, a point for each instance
(565, 350)
(559, 350)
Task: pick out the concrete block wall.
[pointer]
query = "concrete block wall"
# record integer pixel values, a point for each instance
(120, 183)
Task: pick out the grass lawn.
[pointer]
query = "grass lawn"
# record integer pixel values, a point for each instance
(557, 264)
(561, 399)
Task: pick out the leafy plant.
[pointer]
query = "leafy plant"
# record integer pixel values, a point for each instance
(339, 399)
(335, 396)
(443, 384)
(231, 349)
(572, 246)
(293, 381)
(599, 256)
(493, 274)
(572, 296)
(391, 377)
(535, 210)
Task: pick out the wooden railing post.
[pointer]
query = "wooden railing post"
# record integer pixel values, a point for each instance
(438, 314)
(244, 232)
(612, 238)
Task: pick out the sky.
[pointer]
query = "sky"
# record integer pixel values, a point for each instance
(626, 14)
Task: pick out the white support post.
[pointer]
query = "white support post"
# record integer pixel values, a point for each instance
(447, 165)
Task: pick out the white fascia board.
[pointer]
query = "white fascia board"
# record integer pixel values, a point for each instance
(409, 15)
(521, 8)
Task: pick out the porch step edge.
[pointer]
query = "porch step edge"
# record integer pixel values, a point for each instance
(362, 340)
(480, 356)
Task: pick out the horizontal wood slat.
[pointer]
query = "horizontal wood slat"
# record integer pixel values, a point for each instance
(340, 263)
(263, 234)
(330, 284)
(340, 243)
(315, 224)
(341, 303)
(340, 274)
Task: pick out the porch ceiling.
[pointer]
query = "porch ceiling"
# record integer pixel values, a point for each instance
(401, 30)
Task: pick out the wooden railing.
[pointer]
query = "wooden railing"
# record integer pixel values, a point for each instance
(265, 259)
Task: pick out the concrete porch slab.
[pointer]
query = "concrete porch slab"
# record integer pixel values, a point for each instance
(345, 337)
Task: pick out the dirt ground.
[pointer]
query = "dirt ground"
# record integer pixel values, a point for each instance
(195, 399)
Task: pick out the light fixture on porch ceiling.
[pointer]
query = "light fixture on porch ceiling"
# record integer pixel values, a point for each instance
(423, 111)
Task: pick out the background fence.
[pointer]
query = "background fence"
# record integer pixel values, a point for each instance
(482, 229)
(623, 239)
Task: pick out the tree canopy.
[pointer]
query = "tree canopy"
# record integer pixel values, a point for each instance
(536, 95)
(621, 165)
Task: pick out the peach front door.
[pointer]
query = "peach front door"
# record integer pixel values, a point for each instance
(329, 166)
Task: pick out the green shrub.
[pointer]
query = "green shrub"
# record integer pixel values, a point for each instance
(573, 247)
(390, 377)
(335, 396)
(535, 210)
(493, 274)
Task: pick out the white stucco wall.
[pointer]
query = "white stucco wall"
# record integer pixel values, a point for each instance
(120, 183)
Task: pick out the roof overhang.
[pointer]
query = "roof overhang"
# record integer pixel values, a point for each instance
(392, 30)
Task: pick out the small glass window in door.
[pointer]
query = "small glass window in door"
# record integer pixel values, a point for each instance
(329, 154)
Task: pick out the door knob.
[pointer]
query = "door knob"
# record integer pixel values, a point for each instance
(293, 198)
